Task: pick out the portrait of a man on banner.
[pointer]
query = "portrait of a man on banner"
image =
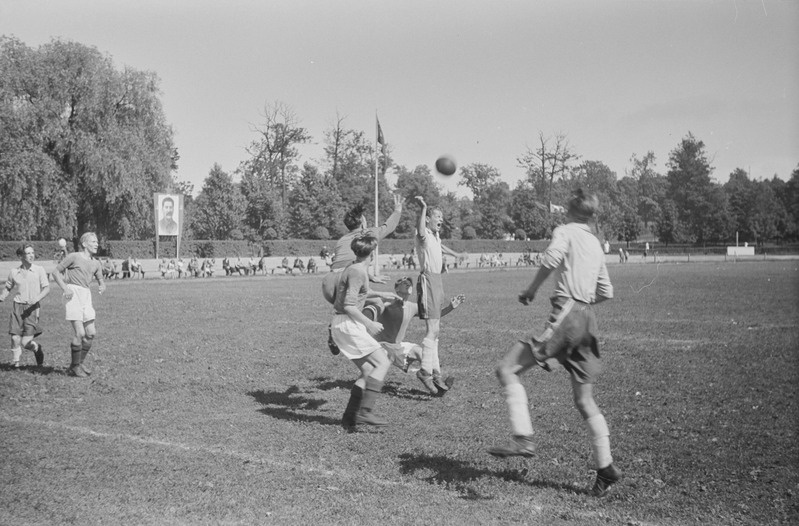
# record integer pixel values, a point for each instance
(168, 215)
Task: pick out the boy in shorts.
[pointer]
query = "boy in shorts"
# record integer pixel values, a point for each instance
(32, 286)
(352, 333)
(430, 293)
(578, 261)
(74, 275)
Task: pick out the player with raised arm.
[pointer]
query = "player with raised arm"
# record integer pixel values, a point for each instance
(430, 293)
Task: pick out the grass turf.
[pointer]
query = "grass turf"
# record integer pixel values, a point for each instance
(217, 402)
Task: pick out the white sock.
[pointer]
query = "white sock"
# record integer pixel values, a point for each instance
(16, 354)
(427, 355)
(600, 440)
(516, 398)
(436, 362)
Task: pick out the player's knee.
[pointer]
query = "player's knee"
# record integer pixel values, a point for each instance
(505, 373)
(585, 404)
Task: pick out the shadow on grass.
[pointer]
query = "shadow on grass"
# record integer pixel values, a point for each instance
(40, 370)
(459, 475)
(290, 405)
(394, 389)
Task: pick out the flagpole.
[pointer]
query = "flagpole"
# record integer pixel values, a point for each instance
(377, 162)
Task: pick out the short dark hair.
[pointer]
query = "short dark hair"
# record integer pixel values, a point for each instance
(353, 218)
(167, 199)
(21, 250)
(582, 206)
(362, 246)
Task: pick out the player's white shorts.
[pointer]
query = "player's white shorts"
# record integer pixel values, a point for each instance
(402, 353)
(80, 307)
(352, 337)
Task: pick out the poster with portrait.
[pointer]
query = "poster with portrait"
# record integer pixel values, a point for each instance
(168, 208)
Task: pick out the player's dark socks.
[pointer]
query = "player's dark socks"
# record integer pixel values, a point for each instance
(83, 352)
(356, 395)
(365, 414)
(77, 352)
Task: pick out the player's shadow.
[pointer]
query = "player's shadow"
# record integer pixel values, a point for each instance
(30, 369)
(291, 405)
(328, 384)
(393, 389)
(459, 475)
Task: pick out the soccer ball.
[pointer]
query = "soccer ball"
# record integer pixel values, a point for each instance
(446, 165)
(62, 243)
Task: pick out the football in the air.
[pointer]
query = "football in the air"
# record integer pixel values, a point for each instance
(445, 165)
(62, 243)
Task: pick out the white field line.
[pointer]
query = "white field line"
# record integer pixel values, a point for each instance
(213, 450)
(361, 477)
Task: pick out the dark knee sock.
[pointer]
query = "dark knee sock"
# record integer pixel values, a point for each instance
(84, 350)
(373, 388)
(356, 395)
(76, 354)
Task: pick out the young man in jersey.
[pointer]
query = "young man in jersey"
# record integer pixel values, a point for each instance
(430, 292)
(576, 258)
(32, 286)
(343, 255)
(74, 275)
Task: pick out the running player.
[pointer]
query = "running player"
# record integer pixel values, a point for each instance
(32, 286)
(576, 257)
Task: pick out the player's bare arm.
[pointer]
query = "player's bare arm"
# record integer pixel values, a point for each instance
(449, 252)
(421, 226)
(59, 279)
(527, 295)
(453, 304)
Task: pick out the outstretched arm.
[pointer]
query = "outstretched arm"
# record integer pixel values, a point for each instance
(448, 251)
(393, 220)
(453, 304)
(8, 287)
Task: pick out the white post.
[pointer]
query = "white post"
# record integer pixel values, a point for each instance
(377, 219)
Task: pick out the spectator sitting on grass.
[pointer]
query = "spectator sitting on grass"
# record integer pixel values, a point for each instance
(299, 265)
(207, 268)
(171, 269)
(194, 267)
(136, 268)
(110, 269)
(241, 267)
(284, 264)
(311, 265)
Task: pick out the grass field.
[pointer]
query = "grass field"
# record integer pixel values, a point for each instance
(217, 402)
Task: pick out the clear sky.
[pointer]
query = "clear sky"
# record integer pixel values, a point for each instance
(475, 79)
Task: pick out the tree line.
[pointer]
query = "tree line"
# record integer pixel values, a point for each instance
(84, 146)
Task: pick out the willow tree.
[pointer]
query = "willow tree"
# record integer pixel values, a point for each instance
(82, 144)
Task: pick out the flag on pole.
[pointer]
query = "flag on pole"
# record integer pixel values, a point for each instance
(380, 138)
